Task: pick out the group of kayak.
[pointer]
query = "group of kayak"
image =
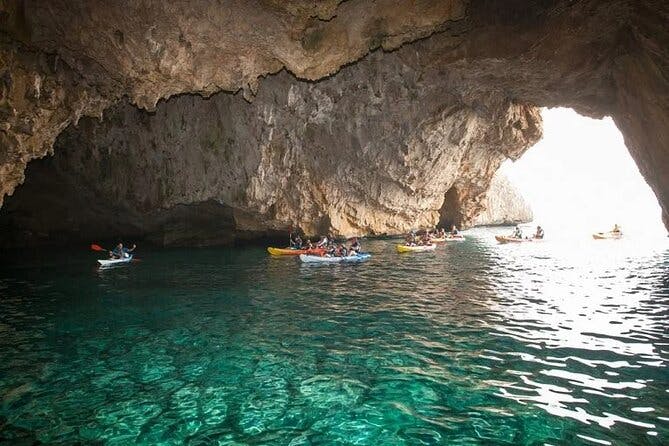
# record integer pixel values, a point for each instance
(326, 250)
(517, 235)
(428, 241)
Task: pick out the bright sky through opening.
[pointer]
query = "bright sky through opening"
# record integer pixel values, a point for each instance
(580, 178)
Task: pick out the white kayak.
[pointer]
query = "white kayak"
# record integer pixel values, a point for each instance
(114, 262)
(306, 258)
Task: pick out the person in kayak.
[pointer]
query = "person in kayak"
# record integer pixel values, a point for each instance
(323, 242)
(517, 233)
(540, 233)
(355, 246)
(119, 252)
(341, 251)
(454, 231)
(296, 243)
(616, 229)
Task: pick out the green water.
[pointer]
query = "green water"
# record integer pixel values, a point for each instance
(475, 343)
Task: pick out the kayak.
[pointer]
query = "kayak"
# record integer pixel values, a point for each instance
(607, 235)
(114, 262)
(449, 238)
(506, 239)
(416, 248)
(455, 238)
(306, 258)
(294, 252)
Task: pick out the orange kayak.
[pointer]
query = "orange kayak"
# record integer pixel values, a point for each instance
(295, 252)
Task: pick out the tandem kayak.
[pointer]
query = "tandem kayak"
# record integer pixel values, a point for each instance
(416, 248)
(607, 235)
(114, 262)
(506, 239)
(306, 258)
(294, 251)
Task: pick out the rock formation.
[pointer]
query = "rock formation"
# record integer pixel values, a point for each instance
(432, 97)
(503, 205)
(350, 154)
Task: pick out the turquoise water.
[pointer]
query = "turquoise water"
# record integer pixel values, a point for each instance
(475, 343)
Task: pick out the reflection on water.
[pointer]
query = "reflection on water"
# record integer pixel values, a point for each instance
(475, 343)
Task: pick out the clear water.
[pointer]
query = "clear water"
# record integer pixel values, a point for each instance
(473, 344)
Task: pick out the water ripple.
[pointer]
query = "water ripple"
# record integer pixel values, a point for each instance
(475, 343)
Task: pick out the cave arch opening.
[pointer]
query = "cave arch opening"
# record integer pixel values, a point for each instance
(581, 178)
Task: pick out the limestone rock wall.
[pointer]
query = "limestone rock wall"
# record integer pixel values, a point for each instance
(452, 93)
(369, 151)
(503, 205)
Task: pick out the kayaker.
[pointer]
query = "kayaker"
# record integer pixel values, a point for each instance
(517, 233)
(540, 233)
(341, 251)
(616, 229)
(323, 242)
(296, 243)
(355, 246)
(309, 245)
(120, 252)
(454, 230)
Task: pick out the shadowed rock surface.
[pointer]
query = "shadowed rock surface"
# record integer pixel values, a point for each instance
(379, 146)
(369, 151)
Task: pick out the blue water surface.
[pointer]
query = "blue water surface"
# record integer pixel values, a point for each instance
(475, 343)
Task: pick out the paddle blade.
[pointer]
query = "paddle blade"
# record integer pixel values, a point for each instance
(95, 247)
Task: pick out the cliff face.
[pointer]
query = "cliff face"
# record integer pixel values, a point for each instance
(369, 151)
(378, 146)
(503, 205)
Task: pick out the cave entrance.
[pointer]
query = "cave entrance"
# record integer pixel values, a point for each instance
(580, 178)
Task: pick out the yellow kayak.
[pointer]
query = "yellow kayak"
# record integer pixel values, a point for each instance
(295, 252)
(416, 248)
